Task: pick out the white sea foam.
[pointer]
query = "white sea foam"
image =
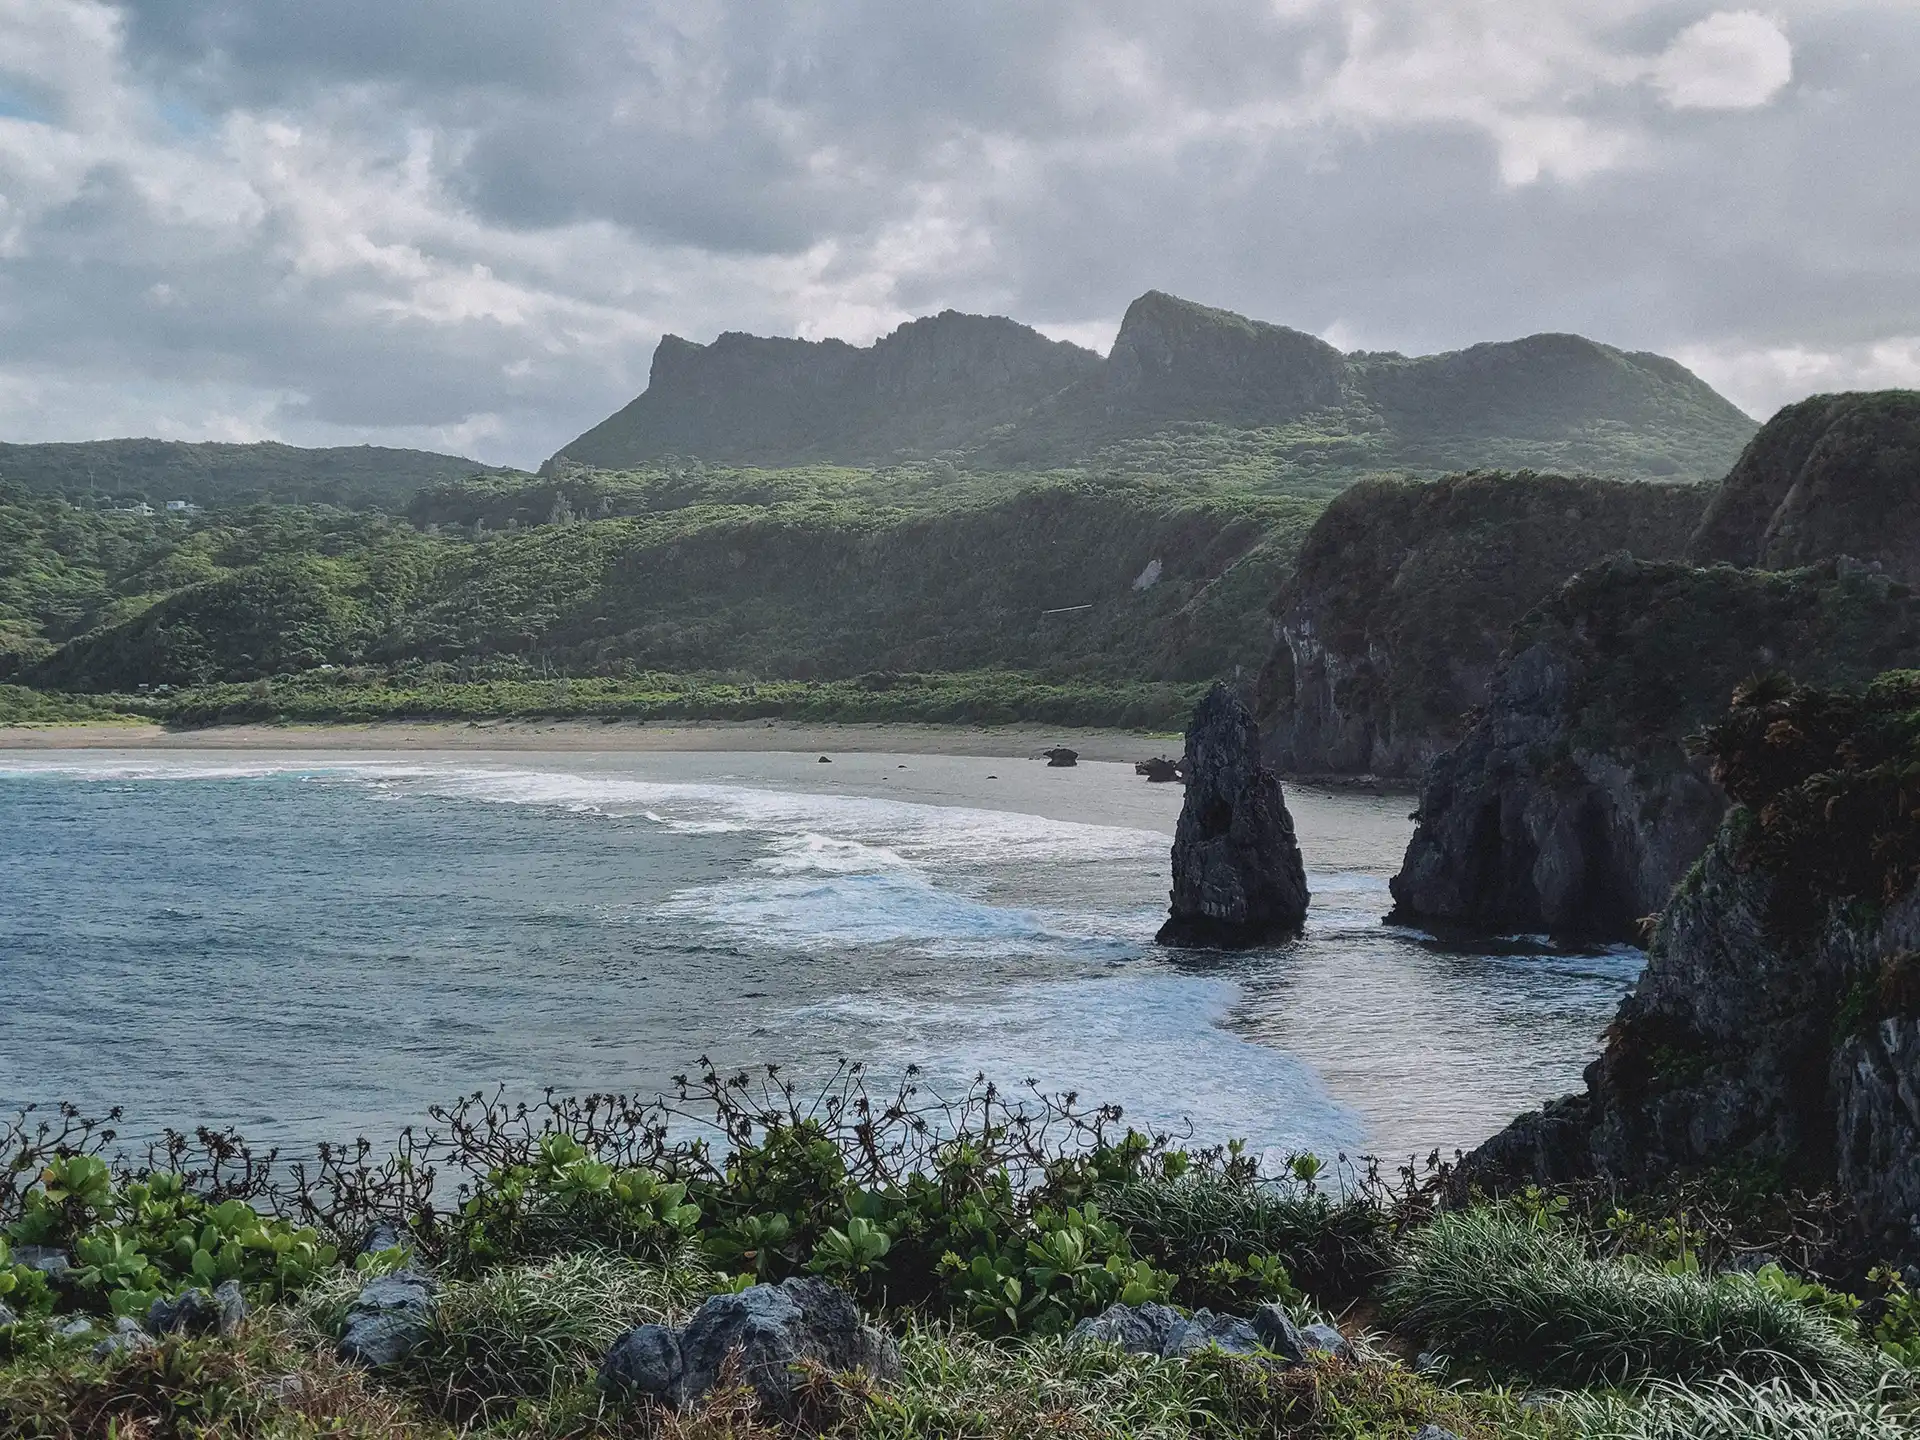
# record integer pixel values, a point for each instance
(1150, 1042)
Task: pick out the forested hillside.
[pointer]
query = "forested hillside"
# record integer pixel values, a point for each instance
(156, 471)
(812, 575)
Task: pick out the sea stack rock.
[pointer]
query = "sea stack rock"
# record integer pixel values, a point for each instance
(1237, 876)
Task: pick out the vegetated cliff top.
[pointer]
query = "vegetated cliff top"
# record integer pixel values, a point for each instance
(209, 473)
(1654, 650)
(1405, 593)
(1832, 475)
(1191, 378)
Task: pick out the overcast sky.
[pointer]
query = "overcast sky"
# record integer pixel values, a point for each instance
(463, 224)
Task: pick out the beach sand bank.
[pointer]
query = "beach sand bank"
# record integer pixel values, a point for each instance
(1010, 741)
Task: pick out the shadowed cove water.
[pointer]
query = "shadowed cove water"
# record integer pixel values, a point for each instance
(309, 946)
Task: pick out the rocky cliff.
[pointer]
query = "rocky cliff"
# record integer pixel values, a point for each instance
(1833, 475)
(1238, 879)
(1777, 1025)
(1406, 592)
(931, 385)
(1572, 804)
(1221, 390)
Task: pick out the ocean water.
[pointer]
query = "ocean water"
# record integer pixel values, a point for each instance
(312, 946)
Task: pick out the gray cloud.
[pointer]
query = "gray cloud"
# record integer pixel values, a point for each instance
(465, 224)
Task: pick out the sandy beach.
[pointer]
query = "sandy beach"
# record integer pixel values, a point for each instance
(1011, 741)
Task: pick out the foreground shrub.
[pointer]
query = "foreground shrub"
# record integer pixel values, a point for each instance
(1732, 1409)
(135, 1237)
(1499, 1287)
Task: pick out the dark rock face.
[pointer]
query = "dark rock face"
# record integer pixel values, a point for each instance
(1404, 596)
(1777, 1025)
(1832, 475)
(44, 1258)
(930, 385)
(388, 1318)
(1572, 804)
(771, 1329)
(1238, 879)
(1175, 360)
(1726, 1053)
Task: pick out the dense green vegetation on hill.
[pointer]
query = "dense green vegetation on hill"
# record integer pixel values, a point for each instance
(818, 575)
(155, 471)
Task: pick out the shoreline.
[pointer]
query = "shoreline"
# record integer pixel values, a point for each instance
(644, 737)
(994, 742)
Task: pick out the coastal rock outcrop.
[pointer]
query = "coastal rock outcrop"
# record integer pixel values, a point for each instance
(1155, 1329)
(1238, 879)
(1777, 1024)
(1404, 596)
(1832, 475)
(1572, 805)
(389, 1318)
(772, 1330)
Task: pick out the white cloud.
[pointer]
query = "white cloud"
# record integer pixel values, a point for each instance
(1732, 60)
(400, 222)
(1761, 380)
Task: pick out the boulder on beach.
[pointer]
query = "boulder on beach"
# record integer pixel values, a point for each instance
(1061, 758)
(1238, 879)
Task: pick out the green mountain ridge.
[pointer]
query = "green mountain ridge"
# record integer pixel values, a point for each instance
(212, 472)
(1272, 402)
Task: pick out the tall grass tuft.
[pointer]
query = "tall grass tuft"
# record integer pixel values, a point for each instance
(1332, 1247)
(1492, 1286)
(528, 1331)
(957, 1386)
(1733, 1409)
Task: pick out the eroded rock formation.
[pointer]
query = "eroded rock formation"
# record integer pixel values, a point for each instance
(1777, 1025)
(1406, 592)
(1238, 879)
(1572, 805)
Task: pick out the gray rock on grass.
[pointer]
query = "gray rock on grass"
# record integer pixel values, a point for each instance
(195, 1312)
(1435, 1432)
(126, 1338)
(647, 1361)
(48, 1260)
(1327, 1340)
(773, 1330)
(388, 1319)
(1154, 1329)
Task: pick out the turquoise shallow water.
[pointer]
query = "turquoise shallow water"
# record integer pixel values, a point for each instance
(307, 947)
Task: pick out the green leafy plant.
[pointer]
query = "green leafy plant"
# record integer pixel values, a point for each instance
(136, 1240)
